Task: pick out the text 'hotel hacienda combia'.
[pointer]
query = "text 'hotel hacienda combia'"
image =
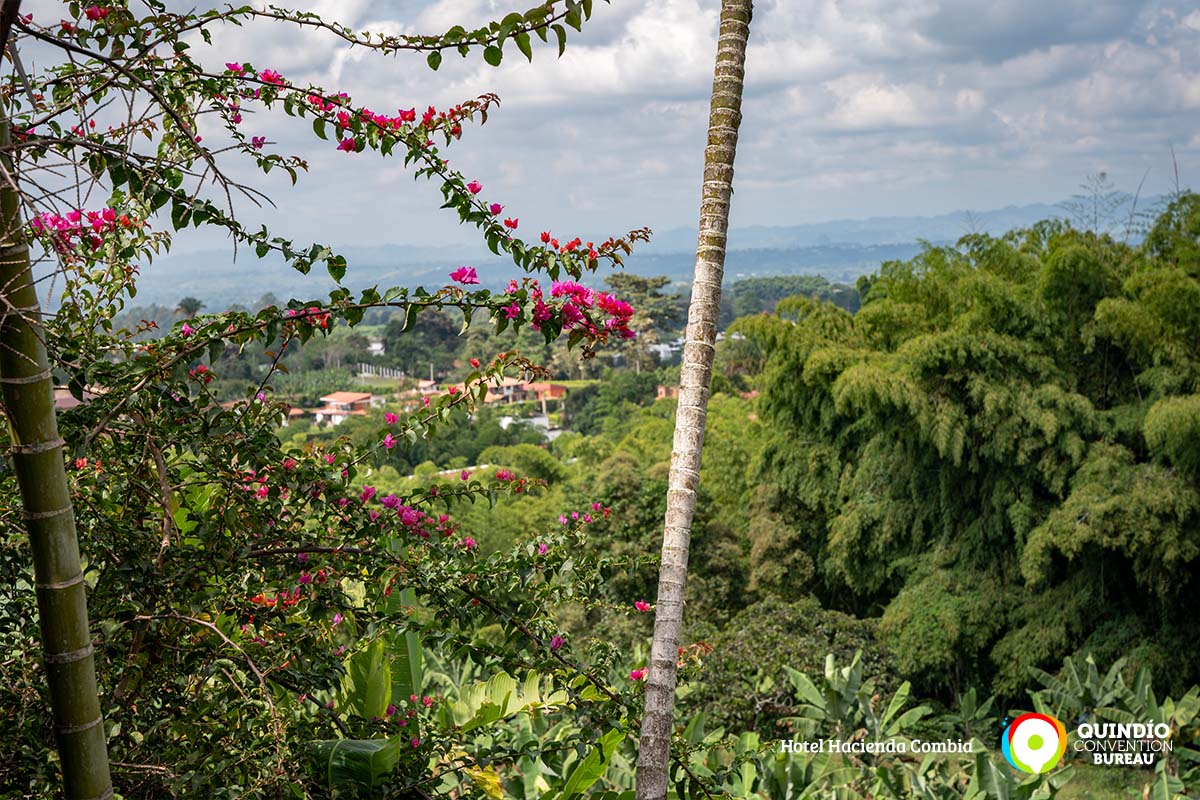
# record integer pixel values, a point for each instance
(889, 746)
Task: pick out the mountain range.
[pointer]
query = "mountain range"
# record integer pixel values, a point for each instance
(840, 250)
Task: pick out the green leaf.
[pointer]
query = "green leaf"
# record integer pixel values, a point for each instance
(434, 60)
(361, 762)
(574, 18)
(522, 40)
(591, 768)
(367, 684)
(319, 127)
(561, 33)
(493, 55)
(407, 666)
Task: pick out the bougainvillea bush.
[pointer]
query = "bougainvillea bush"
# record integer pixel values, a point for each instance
(266, 622)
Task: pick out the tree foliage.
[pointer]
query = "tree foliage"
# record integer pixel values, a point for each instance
(998, 451)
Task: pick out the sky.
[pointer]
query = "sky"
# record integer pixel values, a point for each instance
(854, 108)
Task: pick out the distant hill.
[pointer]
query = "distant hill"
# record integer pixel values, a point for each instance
(871, 231)
(840, 250)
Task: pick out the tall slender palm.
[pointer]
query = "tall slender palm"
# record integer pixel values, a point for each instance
(37, 456)
(725, 116)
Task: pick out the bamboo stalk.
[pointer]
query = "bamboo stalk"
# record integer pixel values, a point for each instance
(37, 456)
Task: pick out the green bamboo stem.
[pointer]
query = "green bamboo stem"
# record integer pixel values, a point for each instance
(37, 456)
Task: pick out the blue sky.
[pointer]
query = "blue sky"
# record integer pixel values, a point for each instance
(854, 108)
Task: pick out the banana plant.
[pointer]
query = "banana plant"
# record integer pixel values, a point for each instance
(844, 703)
(1078, 694)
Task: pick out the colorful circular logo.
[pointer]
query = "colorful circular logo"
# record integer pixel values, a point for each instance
(1034, 743)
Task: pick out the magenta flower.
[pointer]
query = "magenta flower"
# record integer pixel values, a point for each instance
(465, 275)
(305, 578)
(96, 13)
(257, 142)
(337, 619)
(641, 605)
(367, 493)
(512, 311)
(390, 418)
(474, 187)
(465, 474)
(391, 710)
(388, 442)
(234, 67)
(271, 76)
(468, 543)
(495, 208)
(347, 145)
(557, 642)
(637, 674)
(187, 329)
(542, 548)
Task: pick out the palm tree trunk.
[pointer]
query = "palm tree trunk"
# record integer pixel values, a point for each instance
(37, 455)
(725, 115)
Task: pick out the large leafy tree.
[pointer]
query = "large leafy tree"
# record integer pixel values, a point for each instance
(997, 452)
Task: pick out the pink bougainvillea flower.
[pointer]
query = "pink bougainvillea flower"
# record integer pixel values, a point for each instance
(562, 519)
(468, 543)
(511, 223)
(95, 13)
(271, 76)
(367, 493)
(425, 401)
(465, 474)
(236, 119)
(234, 67)
(187, 329)
(512, 311)
(474, 187)
(337, 619)
(641, 605)
(557, 642)
(475, 363)
(495, 208)
(465, 275)
(453, 390)
(542, 548)
(637, 674)
(347, 145)
(257, 142)
(388, 441)
(390, 418)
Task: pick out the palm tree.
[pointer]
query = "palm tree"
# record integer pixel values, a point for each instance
(37, 455)
(725, 115)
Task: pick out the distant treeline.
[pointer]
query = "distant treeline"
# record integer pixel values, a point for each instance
(756, 295)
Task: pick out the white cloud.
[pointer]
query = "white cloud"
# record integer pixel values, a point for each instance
(853, 107)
